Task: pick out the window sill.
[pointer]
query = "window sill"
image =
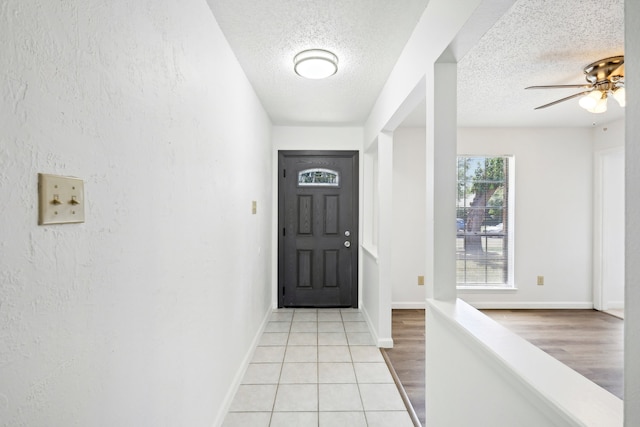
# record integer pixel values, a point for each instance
(487, 288)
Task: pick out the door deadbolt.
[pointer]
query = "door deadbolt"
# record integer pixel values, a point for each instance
(347, 233)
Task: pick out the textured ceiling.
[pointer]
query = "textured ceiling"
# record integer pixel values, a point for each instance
(367, 36)
(537, 42)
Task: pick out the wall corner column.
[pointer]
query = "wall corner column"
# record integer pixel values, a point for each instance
(632, 221)
(385, 230)
(441, 151)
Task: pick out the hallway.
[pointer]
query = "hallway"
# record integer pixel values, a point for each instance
(317, 368)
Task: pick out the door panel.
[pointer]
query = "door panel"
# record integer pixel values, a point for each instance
(317, 218)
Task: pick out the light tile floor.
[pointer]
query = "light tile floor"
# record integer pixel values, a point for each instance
(317, 368)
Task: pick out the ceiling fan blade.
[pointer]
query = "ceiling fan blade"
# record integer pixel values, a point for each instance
(559, 86)
(586, 92)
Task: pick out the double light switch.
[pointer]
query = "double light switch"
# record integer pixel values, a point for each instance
(61, 199)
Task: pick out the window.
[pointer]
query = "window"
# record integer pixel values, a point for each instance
(484, 222)
(318, 177)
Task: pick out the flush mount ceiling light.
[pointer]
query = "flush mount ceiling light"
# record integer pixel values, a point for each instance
(605, 77)
(315, 64)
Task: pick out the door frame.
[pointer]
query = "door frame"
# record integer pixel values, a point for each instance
(355, 158)
(601, 300)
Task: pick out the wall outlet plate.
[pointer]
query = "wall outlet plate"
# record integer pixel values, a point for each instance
(61, 199)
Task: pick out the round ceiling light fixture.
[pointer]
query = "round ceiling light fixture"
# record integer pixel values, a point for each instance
(315, 64)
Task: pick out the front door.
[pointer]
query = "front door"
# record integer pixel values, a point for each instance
(318, 229)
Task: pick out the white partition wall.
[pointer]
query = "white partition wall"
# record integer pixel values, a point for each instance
(632, 228)
(377, 245)
(481, 374)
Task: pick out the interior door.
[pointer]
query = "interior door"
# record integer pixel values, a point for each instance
(318, 229)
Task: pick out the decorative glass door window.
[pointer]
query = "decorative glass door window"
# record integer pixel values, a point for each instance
(318, 177)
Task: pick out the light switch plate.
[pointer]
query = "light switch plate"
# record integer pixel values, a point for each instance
(61, 199)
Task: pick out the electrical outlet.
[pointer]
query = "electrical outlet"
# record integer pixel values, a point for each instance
(420, 280)
(540, 280)
(254, 207)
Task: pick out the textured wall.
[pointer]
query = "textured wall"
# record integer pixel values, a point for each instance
(120, 321)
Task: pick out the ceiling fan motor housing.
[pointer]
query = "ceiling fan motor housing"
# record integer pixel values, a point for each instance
(604, 69)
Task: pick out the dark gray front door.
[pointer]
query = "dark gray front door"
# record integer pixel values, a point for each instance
(318, 229)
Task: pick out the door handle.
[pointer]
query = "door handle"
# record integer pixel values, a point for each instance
(347, 244)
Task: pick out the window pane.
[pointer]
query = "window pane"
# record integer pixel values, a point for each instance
(316, 177)
(482, 240)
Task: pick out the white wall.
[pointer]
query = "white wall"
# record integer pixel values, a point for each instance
(610, 135)
(553, 215)
(408, 216)
(409, 213)
(632, 220)
(316, 138)
(310, 138)
(120, 321)
(550, 223)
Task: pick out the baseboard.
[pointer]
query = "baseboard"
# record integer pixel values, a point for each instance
(380, 342)
(510, 305)
(237, 379)
(615, 305)
(384, 342)
(407, 305)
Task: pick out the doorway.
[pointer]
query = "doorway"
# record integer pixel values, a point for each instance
(318, 228)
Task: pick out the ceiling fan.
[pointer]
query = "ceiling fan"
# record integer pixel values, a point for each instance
(605, 77)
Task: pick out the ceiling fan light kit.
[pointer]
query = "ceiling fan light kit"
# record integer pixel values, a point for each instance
(594, 102)
(620, 95)
(315, 64)
(605, 77)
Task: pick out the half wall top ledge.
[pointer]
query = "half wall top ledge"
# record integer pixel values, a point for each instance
(466, 350)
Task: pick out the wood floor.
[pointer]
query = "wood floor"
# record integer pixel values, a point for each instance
(588, 341)
(407, 355)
